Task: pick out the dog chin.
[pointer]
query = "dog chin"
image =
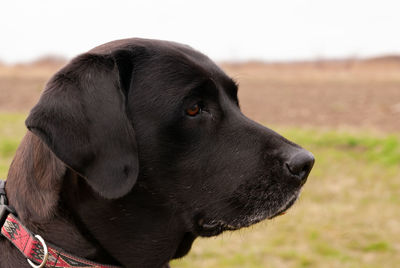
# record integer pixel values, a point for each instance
(285, 207)
(214, 227)
(207, 228)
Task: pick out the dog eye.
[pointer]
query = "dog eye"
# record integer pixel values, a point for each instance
(194, 110)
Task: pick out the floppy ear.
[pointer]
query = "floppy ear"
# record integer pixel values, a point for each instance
(81, 117)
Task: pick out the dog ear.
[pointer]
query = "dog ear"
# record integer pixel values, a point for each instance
(81, 117)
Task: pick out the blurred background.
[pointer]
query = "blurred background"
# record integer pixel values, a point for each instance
(326, 74)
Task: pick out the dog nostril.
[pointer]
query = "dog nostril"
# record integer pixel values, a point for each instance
(301, 164)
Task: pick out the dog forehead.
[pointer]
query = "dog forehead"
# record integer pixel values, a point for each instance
(159, 46)
(166, 50)
(173, 64)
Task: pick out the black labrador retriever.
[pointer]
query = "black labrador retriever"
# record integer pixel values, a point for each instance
(137, 148)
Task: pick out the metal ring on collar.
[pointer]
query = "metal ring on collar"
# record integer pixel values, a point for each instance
(45, 256)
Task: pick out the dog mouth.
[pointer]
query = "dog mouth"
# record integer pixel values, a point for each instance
(207, 228)
(286, 207)
(213, 228)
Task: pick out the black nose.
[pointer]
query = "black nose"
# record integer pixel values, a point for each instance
(300, 165)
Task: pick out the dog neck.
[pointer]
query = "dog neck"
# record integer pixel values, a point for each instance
(55, 202)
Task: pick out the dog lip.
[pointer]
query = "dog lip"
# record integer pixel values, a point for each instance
(210, 226)
(283, 210)
(216, 224)
(213, 228)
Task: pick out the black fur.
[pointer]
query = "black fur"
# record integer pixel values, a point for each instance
(139, 178)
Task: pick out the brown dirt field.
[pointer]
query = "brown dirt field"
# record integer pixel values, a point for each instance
(349, 94)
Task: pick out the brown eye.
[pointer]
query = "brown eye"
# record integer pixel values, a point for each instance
(194, 110)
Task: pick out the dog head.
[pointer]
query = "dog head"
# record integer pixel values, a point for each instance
(164, 118)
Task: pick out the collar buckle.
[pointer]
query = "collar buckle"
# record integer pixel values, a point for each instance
(4, 208)
(4, 211)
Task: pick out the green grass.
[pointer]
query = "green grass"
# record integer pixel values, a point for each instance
(348, 214)
(12, 129)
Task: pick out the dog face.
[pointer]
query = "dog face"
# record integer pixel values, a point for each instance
(163, 118)
(222, 170)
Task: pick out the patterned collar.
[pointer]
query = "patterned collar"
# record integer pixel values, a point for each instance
(38, 253)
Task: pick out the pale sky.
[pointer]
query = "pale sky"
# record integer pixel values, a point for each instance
(269, 30)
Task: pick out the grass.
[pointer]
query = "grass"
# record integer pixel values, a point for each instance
(12, 129)
(348, 214)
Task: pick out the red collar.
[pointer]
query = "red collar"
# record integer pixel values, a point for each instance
(33, 247)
